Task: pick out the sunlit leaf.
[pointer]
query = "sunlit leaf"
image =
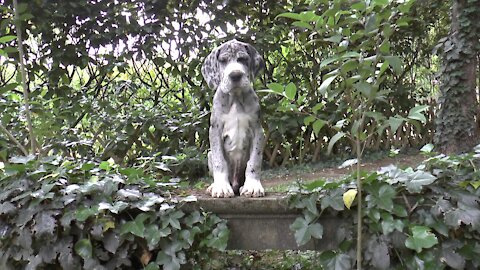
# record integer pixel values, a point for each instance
(83, 248)
(334, 140)
(349, 197)
(290, 91)
(421, 237)
(325, 84)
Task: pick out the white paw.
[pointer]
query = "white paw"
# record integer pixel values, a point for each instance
(252, 188)
(220, 190)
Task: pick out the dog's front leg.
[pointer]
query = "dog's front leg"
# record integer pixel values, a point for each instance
(253, 187)
(218, 165)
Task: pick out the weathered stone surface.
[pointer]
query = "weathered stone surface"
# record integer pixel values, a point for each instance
(264, 223)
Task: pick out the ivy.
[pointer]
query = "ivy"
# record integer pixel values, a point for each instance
(426, 217)
(456, 128)
(60, 213)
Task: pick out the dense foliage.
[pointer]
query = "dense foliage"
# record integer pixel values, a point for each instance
(61, 214)
(123, 81)
(415, 218)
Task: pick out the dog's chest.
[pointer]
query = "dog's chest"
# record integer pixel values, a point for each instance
(237, 131)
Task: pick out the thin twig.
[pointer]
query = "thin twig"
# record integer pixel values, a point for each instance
(33, 141)
(15, 141)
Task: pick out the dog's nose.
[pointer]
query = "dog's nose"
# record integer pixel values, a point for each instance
(236, 76)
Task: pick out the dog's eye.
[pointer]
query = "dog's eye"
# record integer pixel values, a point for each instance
(243, 60)
(222, 60)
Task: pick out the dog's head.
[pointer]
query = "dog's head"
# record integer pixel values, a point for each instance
(232, 66)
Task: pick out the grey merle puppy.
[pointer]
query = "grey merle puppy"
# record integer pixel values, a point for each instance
(236, 135)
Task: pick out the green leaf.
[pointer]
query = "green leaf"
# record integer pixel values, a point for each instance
(83, 248)
(335, 39)
(8, 87)
(365, 88)
(276, 87)
(381, 2)
(419, 179)
(317, 125)
(290, 91)
(339, 262)
(173, 219)
(300, 227)
(303, 24)
(152, 266)
(290, 15)
(6, 39)
(327, 61)
(83, 213)
(395, 62)
(416, 113)
(421, 238)
(384, 198)
(325, 84)
(308, 120)
(316, 230)
(427, 148)
(333, 140)
(395, 123)
(135, 227)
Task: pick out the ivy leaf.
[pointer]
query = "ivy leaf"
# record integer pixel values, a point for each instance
(83, 248)
(450, 256)
(382, 197)
(135, 227)
(45, 223)
(464, 214)
(84, 213)
(419, 179)
(421, 238)
(173, 219)
(339, 262)
(302, 234)
(334, 200)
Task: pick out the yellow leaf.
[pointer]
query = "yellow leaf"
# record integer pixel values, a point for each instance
(108, 225)
(348, 197)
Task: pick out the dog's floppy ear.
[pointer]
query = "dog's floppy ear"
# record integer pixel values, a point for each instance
(257, 63)
(211, 69)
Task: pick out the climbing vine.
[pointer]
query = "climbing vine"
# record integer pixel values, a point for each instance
(456, 128)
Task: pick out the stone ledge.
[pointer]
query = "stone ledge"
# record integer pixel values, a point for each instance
(264, 223)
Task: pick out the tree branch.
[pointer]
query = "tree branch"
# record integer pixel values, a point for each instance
(33, 141)
(15, 141)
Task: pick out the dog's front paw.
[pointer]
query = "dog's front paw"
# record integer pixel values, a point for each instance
(252, 188)
(220, 190)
